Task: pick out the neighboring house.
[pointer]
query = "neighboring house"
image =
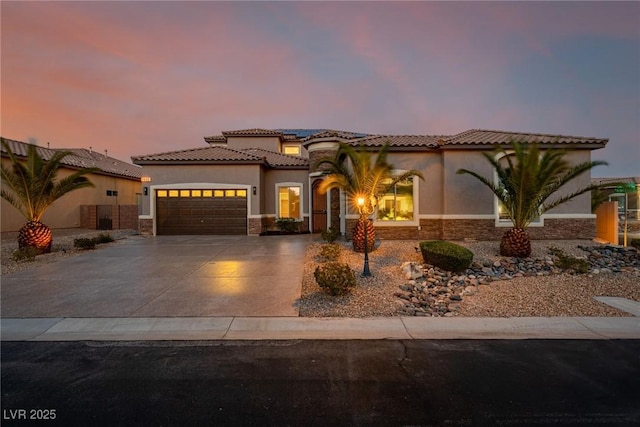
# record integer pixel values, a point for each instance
(623, 190)
(244, 180)
(112, 203)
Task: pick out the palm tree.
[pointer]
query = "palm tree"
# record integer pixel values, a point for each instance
(34, 188)
(360, 177)
(525, 185)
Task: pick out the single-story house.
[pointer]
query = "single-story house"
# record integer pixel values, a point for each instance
(111, 204)
(624, 190)
(242, 181)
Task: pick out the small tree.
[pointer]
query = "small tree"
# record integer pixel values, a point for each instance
(33, 188)
(360, 176)
(524, 187)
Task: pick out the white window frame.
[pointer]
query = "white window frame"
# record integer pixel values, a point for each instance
(416, 207)
(280, 185)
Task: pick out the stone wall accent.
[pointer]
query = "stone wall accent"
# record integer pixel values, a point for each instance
(315, 156)
(145, 226)
(557, 229)
(478, 229)
(482, 229)
(255, 226)
(334, 203)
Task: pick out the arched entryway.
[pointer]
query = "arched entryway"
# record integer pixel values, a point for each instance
(319, 208)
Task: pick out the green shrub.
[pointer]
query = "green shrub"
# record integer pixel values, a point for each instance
(330, 251)
(635, 243)
(104, 238)
(84, 243)
(287, 224)
(446, 255)
(335, 278)
(568, 262)
(330, 235)
(28, 253)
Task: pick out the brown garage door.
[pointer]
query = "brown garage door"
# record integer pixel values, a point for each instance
(201, 211)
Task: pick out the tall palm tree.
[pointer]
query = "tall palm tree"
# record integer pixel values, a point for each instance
(356, 173)
(33, 188)
(524, 187)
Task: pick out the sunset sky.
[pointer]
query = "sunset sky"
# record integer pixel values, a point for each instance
(145, 77)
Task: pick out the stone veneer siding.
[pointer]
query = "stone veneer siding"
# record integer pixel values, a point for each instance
(482, 229)
(315, 156)
(145, 226)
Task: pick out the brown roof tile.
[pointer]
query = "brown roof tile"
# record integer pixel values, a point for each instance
(278, 159)
(81, 158)
(222, 154)
(497, 137)
(252, 132)
(214, 153)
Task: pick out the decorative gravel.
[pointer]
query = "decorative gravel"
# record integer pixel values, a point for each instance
(546, 296)
(62, 247)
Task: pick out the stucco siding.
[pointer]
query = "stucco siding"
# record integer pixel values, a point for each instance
(65, 212)
(271, 143)
(464, 194)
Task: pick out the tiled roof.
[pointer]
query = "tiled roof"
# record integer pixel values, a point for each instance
(497, 137)
(284, 134)
(81, 158)
(214, 153)
(278, 159)
(252, 132)
(405, 141)
(306, 133)
(473, 137)
(626, 180)
(218, 153)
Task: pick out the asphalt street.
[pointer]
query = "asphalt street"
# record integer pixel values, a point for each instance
(324, 383)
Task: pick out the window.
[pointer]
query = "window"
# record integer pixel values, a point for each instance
(289, 201)
(292, 150)
(397, 203)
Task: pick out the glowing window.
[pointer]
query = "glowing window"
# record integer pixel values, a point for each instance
(241, 193)
(207, 193)
(289, 202)
(184, 193)
(397, 203)
(162, 193)
(293, 150)
(196, 193)
(173, 193)
(230, 193)
(218, 193)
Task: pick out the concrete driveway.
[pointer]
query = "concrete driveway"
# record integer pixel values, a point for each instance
(165, 276)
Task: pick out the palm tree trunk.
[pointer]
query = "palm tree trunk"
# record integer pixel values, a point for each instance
(516, 243)
(363, 227)
(36, 235)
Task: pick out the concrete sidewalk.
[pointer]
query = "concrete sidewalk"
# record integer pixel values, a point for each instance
(295, 328)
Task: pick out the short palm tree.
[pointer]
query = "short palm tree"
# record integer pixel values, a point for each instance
(356, 173)
(525, 185)
(33, 188)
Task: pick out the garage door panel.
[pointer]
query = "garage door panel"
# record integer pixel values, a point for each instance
(202, 212)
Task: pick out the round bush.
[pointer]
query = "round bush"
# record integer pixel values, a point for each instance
(335, 278)
(446, 255)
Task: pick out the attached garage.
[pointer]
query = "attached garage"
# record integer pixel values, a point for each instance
(201, 211)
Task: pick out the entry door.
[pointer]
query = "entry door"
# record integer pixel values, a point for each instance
(319, 209)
